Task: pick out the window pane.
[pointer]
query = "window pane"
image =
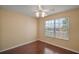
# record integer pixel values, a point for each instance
(61, 28)
(49, 28)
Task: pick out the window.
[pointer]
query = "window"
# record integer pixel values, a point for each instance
(49, 28)
(57, 28)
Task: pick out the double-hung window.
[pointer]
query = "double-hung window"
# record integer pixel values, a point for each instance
(49, 28)
(57, 28)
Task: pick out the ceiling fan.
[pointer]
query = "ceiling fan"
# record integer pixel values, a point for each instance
(41, 12)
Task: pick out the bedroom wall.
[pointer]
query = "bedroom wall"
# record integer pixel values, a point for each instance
(16, 28)
(73, 42)
(0, 30)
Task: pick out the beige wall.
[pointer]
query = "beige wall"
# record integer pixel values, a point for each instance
(0, 30)
(16, 29)
(73, 42)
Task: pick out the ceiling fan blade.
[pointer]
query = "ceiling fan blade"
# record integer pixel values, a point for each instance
(39, 7)
(52, 9)
(46, 10)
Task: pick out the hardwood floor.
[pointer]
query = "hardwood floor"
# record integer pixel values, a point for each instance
(38, 47)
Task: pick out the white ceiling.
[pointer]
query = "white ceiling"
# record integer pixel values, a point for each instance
(29, 9)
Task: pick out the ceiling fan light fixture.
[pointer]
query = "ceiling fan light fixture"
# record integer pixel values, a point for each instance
(37, 14)
(40, 12)
(43, 14)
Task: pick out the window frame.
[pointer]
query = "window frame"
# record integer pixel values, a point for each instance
(68, 30)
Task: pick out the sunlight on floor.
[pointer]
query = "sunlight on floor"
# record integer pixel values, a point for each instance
(49, 51)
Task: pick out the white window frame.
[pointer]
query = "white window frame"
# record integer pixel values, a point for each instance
(55, 35)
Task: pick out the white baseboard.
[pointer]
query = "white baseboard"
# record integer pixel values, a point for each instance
(39, 40)
(59, 46)
(18, 45)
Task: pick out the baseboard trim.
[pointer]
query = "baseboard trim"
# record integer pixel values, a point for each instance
(41, 41)
(60, 46)
(17, 45)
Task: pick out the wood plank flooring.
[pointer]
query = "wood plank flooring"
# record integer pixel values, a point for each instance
(38, 47)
